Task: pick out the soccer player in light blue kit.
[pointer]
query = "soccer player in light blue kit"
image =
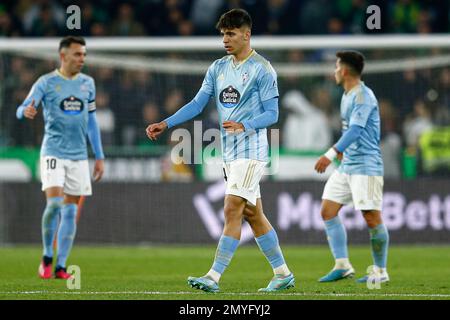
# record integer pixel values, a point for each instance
(68, 103)
(244, 87)
(359, 178)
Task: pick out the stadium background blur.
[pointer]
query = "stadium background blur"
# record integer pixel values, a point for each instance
(412, 101)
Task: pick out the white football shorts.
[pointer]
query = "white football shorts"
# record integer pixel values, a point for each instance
(242, 178)
(363, 192)
(72, 175)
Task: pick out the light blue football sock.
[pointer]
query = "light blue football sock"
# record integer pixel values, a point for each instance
(269, 245)
(50, 224)
(337, 237)
(225, 251)
(66, 232)
(379, 239)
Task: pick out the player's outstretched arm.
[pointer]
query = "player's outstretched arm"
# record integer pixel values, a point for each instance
(187, 112)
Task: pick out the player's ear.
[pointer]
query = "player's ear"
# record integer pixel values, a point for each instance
(247, 34)
(61, 54)
(344, 70)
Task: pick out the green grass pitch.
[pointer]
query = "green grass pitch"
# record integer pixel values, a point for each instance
(417, 272)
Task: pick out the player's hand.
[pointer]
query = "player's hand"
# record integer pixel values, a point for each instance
(340, 156)
(322, 164)
(30, 111)
(99, 168)
(233, 127)
(155, 129)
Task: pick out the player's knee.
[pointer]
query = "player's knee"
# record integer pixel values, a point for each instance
(372, 222)
(327, 214)
(372, 218)
(68, 199)
(233, 210)
(231, 213)
(249, 214)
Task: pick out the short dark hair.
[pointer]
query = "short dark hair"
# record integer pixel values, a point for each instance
(353, 59)
(67, 41)
(235, 18)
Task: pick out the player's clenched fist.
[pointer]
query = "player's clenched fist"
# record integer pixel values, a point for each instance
(155, 129)
(30, 111)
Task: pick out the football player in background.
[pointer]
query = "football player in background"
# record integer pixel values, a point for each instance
(68, 102)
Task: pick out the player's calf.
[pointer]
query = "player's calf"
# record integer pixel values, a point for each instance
(49, 223)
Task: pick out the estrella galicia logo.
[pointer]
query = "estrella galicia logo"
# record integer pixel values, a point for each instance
(72, 105)
(229, 97)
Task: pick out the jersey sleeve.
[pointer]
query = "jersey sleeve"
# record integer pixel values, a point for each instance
(37, 93)
(208, 82)
(360, 114)
(267, 85)
(91, 99)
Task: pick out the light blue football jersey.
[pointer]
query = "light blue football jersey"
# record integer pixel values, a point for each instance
(66, 103)
(360, 107)
(239, 91)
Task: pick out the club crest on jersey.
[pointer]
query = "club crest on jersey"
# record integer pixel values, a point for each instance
(245, 77)
(72, 105)
(229, 97)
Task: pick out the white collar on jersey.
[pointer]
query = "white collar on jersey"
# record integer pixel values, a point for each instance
(243, 61)
(59, 73)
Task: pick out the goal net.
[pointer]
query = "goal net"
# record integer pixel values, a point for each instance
(143, 80)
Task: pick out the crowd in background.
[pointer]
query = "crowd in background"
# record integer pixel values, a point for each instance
(44, 18)
(411, 101)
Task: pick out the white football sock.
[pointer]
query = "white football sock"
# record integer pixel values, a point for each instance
(282, 270)
(342, 263)
(214, 275)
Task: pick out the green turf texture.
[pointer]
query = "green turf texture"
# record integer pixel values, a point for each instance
(416, 272)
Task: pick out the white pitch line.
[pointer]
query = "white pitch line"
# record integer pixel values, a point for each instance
(300, 294)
